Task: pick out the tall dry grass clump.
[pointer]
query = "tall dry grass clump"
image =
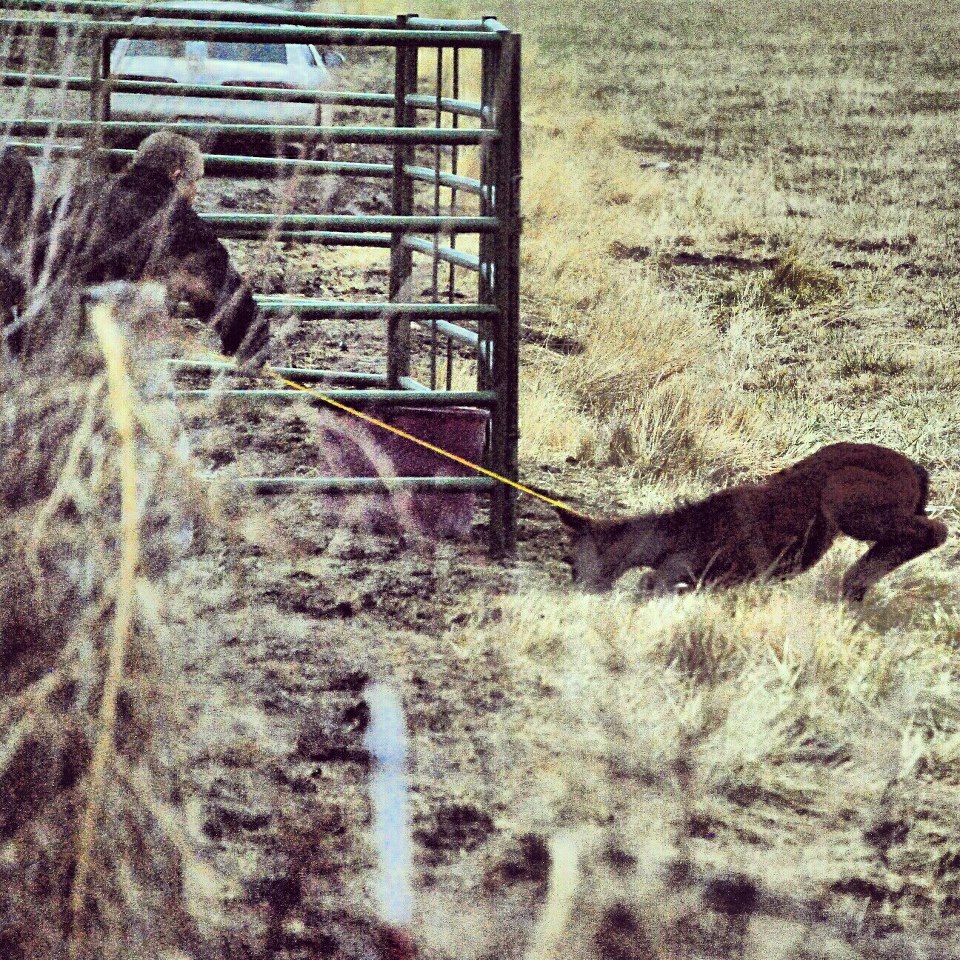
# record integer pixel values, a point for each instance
(758, 774)
(636, 371)
(98, 858)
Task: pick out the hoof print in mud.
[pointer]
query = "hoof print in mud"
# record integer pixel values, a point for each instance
(348, 681)
(336, 734)
(733, 894)
(225, 821)
(621, 934)
(461, 827)
(281, 891)
(527, 860)
(310, 598)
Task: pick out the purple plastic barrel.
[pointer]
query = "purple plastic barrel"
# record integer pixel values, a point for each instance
(357, 449)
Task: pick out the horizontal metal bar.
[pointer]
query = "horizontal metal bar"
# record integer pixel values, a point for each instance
(215, 162)
(466, 108)
(359, 398)
(348, 485)
(456, 332)
(334, 309)
(251, 33)
(116, 84)
(38, 148)
(451, 180)
(300, 374)
(408, 383)
(235, 161)
(128, 8)
(425, 136)
(44, 81)
(341, 98)
(463, 335)
(435, 23)
(327, 238)
(466, 260)
(335, 97)
(250, 222)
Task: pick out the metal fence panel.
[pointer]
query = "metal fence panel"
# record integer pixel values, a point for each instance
(482, 316)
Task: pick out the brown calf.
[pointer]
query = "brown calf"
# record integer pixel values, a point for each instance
(772, 529)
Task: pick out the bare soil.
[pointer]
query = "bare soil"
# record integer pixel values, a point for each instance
(302, 637)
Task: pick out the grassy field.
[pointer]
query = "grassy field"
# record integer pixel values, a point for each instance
(740, 243)
(743, 219)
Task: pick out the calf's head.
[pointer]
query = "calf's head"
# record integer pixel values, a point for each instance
(601, 550)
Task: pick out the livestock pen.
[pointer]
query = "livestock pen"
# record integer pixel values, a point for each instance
(466, 227)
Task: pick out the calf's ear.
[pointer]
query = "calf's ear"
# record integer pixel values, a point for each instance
(575, 521)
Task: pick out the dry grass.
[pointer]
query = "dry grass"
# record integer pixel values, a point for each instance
(779, 281)
(764, 738)
(100, 857)
(739, 245)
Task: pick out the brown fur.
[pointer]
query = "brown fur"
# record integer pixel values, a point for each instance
(776, 528)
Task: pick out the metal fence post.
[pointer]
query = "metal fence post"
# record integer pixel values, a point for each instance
(401, 256)
(106, 49)
(490, 62)
(506, 289)
(94, 141)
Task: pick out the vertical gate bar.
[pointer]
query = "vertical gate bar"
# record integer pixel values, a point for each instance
(485, 294)
(511, 276)
(454, 167)
(449, 363)
(506, 282)
(106, 49)
(489, 61)
(92, 160)
(96, 80)
(435, 273)
(401, 256)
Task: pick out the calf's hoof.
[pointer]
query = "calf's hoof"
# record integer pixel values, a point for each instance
(854, 592)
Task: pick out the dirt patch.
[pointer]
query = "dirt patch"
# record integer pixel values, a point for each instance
(303, 637)
(300, 646)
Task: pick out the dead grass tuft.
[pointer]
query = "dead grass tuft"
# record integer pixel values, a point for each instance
(98, 853)
(731, 769)
(800, 282)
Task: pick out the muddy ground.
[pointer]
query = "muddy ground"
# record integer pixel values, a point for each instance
(301, 636)
(300, 640)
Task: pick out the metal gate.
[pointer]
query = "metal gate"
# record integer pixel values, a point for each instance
(429, 134)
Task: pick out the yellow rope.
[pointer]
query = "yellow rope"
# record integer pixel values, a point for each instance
(422, 443)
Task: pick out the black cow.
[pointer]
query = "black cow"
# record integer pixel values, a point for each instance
(16, 204)
(136, 226)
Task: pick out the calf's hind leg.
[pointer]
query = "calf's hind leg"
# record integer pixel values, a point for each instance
(909, 539)
(897, 539)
